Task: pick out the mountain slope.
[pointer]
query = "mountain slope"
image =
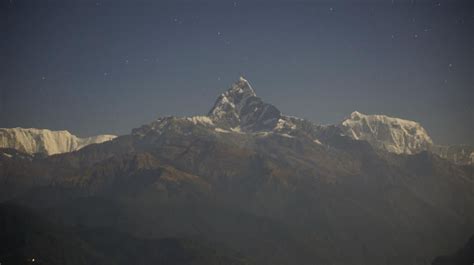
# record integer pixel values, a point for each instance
(44, 141)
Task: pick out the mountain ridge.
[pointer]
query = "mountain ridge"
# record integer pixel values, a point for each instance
(32, 140)
(240, 110)
(394, 135)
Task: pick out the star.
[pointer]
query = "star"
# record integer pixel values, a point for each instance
(331, 9)
(106, 74)
(415, 36)
(235, 4)
(219, 33)
(450, 65)
(177, 20)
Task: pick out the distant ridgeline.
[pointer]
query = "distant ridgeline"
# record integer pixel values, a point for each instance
(240, 110)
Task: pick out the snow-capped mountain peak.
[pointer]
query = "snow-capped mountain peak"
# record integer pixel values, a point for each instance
(388, 133)
(233, 99)
(45, 141)
(238, 110)
(239, 107)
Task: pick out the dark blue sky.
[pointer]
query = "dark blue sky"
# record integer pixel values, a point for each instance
(96, 67)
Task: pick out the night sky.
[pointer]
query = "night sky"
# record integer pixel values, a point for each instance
(94, 67)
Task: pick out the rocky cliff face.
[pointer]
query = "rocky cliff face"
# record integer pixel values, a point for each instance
(240, 109)
(44, 141)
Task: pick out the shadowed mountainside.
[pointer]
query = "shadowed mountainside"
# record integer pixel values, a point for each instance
(28, 238)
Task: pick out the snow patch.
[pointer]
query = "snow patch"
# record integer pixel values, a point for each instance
(286, 135)
(222, 130)
(203, 120)
(7, 155)
(236, 129)
(284, 124)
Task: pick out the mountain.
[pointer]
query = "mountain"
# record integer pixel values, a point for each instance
(401, 136)
(44, 141)
(240, 111)
(387, 133)
(276, 188)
